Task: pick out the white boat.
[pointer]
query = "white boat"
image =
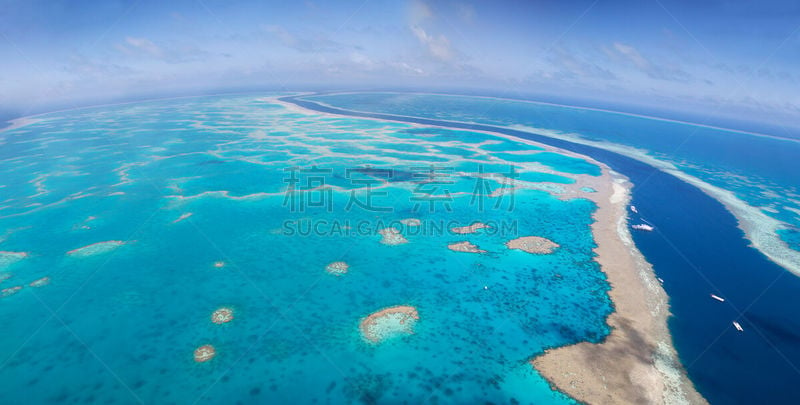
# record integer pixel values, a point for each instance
(661, 280)
(633, 208)
(718, 298)
(737, 326)
(642, 227)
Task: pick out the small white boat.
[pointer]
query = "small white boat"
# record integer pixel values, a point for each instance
(643, 227)
(661, 280)
(718, 298)
(737, 326)
(633, 208)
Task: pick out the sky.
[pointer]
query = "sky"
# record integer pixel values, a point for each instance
(738, 59)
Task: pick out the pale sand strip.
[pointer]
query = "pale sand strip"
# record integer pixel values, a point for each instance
(466, 247)
(637, 362)
(470, 228)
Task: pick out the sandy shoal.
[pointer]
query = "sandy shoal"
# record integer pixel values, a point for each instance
(637, 362)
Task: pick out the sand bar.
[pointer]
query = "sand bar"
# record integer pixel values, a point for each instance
(469, 229)
(40, 282)
(533, 244)
(96, 248)
(637, 362)
(182, 217)
(465, 246)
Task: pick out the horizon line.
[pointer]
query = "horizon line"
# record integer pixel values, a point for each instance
(14, 121)
(575, 107)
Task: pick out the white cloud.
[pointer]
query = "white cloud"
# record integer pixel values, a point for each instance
(364, 63)
(419, 12)
(406, 68)
(301, 44)
(572, 66)
(144, 45)
(437, 46)
(362, 60)
(282, 34)
(660, 71)
(632, 55)
(145, 48)
(465, 12)
(424, 24)
(87, 68)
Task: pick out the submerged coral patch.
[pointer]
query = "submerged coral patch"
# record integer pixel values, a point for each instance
(10, 291)
(391, 236)
(222, 315)
(40, 282)
(389, 322)
(182, 217)
(204, 353)
(470, 228)
(9, 258)
(411, 222)
(96, 248)
(533, 244)
(337, 268)
(465, 246)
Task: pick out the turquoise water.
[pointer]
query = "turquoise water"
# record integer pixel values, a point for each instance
(121, 326)
(566, 164)
(756, 365)
(761, 171)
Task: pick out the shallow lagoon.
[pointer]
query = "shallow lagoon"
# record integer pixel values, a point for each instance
(121, 325)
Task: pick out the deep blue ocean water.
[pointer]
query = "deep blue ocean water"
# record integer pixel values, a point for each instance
(121, 326)
(761, 171)
(696, 248)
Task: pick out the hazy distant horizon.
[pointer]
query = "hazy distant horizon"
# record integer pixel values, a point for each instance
(788, 130)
